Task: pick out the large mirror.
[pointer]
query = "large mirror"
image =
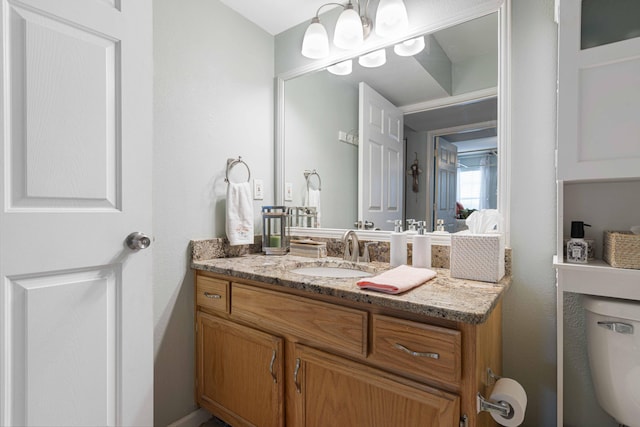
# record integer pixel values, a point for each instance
(447, 156)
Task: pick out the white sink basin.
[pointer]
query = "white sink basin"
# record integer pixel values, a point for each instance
(336, 272)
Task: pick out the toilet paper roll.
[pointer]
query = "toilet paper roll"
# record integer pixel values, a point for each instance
(511, 392)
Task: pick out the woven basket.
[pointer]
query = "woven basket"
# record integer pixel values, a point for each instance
(621, 249)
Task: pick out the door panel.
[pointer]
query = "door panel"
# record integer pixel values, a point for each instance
(328, 385)
(64, 339)
(240, 373)
(446, 184)
(380, 160)
(76, 342)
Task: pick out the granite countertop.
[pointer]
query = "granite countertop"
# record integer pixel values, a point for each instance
(459, 300)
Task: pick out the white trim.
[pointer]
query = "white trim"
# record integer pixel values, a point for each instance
(463, 98)
(193, 419)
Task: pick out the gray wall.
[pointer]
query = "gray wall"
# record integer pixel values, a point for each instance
(318, 106)
(213, 100)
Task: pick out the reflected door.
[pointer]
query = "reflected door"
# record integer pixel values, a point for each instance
(446, 159)
(380, 160)
(76, 333)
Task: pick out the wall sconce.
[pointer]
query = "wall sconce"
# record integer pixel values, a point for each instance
(353, 27)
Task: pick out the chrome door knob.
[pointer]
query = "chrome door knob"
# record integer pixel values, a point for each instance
(138, 240)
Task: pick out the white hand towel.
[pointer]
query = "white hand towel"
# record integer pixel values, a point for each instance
(239, 214)
(314, 202)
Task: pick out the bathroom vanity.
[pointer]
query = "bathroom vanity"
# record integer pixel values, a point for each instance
(277, 348)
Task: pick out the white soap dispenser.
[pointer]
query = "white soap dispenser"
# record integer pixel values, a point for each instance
(398, 255)
(577, 248)
(421, 257)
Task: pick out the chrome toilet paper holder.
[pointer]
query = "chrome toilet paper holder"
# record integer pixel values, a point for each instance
(503, 408)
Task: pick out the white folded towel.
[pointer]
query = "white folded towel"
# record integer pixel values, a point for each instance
(239, 222)
(314, 202)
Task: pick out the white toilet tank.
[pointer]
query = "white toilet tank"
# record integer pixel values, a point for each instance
(613, 340)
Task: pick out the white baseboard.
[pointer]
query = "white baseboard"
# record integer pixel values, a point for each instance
(193, 419)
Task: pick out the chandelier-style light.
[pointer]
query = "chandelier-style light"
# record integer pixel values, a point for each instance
(353, 27)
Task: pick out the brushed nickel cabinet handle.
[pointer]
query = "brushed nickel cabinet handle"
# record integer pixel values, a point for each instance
(273, 374)
(212, 296)
(417, 353)
(295, 375)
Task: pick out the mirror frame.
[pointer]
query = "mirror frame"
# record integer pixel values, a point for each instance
(504, 116)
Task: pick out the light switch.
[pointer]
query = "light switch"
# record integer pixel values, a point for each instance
(288, 192)
(258, 189)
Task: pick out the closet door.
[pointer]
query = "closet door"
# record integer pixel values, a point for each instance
(598, 90)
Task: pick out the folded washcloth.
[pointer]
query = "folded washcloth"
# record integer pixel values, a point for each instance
(396, 280)
(239, 224)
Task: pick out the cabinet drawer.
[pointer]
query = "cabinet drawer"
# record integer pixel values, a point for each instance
(212, 293)
(314, 322)
(419, 350)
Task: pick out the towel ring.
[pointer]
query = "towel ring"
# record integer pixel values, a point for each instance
(307, 176)
(234, 162)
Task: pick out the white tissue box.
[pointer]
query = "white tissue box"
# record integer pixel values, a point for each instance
(477, 256)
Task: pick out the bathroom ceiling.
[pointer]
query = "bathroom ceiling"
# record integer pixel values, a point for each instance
(276, 16)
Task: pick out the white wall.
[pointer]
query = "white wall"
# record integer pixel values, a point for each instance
(213, 100)
(529, 324)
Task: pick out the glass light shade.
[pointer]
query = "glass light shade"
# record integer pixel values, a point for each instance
(341, 68)
(373, 59)
(391, 18)
(315, 44)
(348, 33)
(409, 47)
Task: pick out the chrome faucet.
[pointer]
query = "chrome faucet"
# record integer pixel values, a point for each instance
(351, 249)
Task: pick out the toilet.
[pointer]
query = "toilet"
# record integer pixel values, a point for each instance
(613, 341)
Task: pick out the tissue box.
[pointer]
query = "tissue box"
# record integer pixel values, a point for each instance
(477, 256)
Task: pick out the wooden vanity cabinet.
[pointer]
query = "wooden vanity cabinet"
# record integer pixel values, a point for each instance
(331, 390)
(267, 357)
(239, 372)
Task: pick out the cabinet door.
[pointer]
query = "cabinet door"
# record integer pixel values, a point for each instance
(240, 374)
(334, 391)
(598, 90)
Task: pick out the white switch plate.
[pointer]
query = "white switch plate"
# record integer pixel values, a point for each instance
(258, 189)
(288, 192)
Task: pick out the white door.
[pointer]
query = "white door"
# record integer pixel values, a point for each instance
(76, 323)
(446, 174)
(380, 160)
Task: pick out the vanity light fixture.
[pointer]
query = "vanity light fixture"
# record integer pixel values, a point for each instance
(410, 47)
(315, 44)
(373, 59)
(341, 68)
(352, 27)
(391, 18)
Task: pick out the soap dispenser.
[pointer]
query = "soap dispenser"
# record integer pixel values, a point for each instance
(421, 257)
(577, 248)
(398, 245)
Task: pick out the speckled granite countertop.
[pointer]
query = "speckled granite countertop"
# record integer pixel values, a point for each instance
(459, 300)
